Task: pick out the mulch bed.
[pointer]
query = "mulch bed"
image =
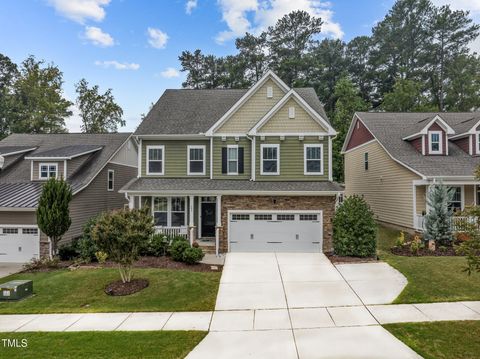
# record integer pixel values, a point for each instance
(119, 288)
(339, 259)
(159, 262)
(424, 252)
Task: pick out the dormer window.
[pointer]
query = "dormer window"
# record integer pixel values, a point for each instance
(435, 146)
(48, 170)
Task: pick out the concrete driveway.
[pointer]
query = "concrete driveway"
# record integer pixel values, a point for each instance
(9, 268)
(299, 305)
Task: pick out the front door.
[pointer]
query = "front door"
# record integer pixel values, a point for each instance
(208, 220)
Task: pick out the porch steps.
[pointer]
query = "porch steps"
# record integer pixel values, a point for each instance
(208, 245)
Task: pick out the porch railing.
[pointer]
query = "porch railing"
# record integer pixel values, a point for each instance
(172, 231)
(458, 223)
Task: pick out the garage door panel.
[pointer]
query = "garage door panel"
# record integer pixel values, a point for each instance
(19, 244)
(275, 232)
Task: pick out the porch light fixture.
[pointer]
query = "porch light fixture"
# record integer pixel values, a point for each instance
(282, 138)
(301, 138)
(224, 138)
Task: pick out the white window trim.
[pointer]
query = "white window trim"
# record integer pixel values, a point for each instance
(153, 147)
(440, 147)
(277, 146)
(47, 164)
(169, 211)
(477, 144)
(108, 180)
(228, 160)
(197, 147)
(312, 145)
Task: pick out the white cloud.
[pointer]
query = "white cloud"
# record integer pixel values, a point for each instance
(169, 73)
(80, 10)
(157, 38)
(74, 122)
(190, 5)
(256, 15)
(97, 37)
(118, 65)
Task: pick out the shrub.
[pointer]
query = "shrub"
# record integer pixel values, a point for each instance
(354, 229)
(178, 248)
(193, 255)
(68, 252)
(86, 248)
(157, 245)
(121, 234)
(42, 263)
(438, 220)
(101, 257)
(400, 239)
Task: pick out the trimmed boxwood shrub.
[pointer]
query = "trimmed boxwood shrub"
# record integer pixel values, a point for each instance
(178, 249)
(354, 229)
(193, 255)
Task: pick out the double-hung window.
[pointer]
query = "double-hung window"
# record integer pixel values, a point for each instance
(232, 159)
(111, 180)
(477, 141)
(155, 160)
(48, 170)
(169, 211)
(435, 145)
(196, 160)
(455, 203)
(270, 159)
(313, 157)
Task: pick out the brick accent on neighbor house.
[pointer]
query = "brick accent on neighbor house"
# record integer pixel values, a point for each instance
(273, 203)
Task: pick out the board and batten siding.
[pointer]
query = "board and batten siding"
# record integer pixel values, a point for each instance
(252, 110)
(218, 144)
(176, 157)
(291, 158)
(95, 199)
(387, 186)
(281, 123)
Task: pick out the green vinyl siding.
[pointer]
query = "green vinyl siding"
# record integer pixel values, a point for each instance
(291, 159)
(218, 144)
(176, 157)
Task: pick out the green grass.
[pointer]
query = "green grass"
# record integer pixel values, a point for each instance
(64, 291)
(439, 340)
(430, 279)
(118, 345)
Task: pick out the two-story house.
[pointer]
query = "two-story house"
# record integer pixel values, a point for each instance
(392, 158)
(95, 165)
(239, 170)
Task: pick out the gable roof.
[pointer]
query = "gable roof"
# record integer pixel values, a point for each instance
(194, 112)
(322, 121)
(66, 152)
(13, 150)
(389, 129)
(19, 173)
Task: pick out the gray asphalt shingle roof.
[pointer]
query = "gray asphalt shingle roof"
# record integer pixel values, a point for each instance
(188, 111)
(390, 129)
(67, 151)
(16, 187)
(205, 184)
(5, 150)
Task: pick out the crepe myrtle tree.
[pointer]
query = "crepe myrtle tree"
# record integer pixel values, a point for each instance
(437, 224)
(121, 234)
(53, 213)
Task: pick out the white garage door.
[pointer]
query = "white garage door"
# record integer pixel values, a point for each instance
(19, 244)
(300, 231)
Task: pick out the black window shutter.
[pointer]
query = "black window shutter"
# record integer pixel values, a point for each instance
(224, 160)
(240, 160)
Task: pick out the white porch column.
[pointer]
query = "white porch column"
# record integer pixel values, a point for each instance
(191, 223)
(219, 223)
(131, 202)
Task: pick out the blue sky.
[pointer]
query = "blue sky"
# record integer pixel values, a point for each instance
(132, 46)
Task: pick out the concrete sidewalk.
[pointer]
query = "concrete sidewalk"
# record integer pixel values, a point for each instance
(245, 320)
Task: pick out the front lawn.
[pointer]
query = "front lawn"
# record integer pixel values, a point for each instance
(119, 345)
(430, 279)
(64, 291)
(439, 340)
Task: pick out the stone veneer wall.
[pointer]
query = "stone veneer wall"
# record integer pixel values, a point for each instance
(324, 203)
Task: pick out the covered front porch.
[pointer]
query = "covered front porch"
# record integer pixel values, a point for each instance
(467, 194)
(196, 218)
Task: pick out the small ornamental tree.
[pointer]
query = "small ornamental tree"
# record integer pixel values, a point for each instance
(354, 229)
(121, 235)
(53, 214)
(437, 224)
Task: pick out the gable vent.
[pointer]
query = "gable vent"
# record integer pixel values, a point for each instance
(269, 91)
(291, 112)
